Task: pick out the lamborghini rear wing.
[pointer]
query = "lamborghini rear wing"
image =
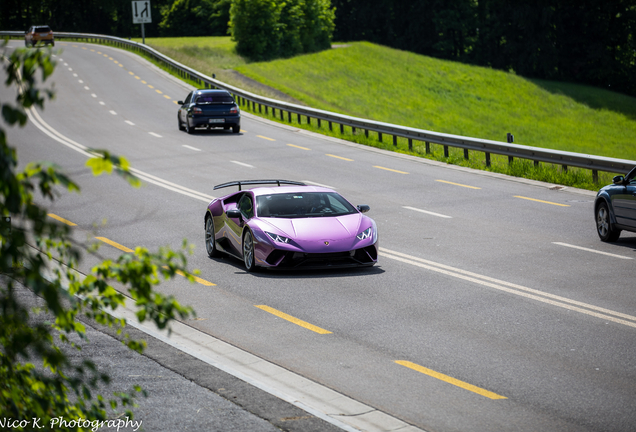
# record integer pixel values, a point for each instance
(241, 183)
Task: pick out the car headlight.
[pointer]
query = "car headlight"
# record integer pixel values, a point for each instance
(364, 234)
(277, 238)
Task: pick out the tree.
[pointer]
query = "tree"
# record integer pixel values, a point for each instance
(196, 18)
(264, 29)
(35, 243)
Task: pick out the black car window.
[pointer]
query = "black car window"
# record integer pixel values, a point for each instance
(211, 99)
(187, 101)
(309, 204)
(246, 207)
(42, 29)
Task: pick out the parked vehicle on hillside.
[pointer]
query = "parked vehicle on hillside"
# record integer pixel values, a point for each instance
(210, 109)
(615, 207)
(289, 226)
(41, 33)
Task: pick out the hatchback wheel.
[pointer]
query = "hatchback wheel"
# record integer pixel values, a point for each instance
(604, 225)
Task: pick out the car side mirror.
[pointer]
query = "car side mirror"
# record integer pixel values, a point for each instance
(180, 102)
(234, 214)
(363, 208)
(619, 179)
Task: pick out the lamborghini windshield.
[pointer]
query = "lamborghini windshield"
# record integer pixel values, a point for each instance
(296, 205)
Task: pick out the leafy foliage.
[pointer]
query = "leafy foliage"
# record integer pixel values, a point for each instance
(196, 18)
(30, 253)
(264, 29)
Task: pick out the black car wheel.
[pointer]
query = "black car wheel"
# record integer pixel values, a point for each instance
(248, 251)
(236, 129)
(210, 243)
(189, 130)
(179, 123)
(604, 225)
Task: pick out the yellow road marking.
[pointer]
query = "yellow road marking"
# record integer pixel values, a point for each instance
(131, 72)
(150, 86)
(136, 77)
(339, 157)
(99, 52)
(389, 169)
(198, 279)
(450, 380)
(167, 97)
(176, 102)
(292, 319)
(56, 217)
(541, 201)
(92, 50)
(298, 147)
(458, 184)
(113, 244)
(264, 137)
(143, 82)
(159, 91)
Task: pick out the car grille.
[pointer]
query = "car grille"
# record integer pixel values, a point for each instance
(358, 257)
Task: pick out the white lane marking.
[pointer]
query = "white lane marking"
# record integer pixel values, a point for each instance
(592, 250)
(86, 88)
(512, 288)
(94, 95)
(428, 212)
(75, 75)
(318, 184)
(70, 69)
(129, 122)
(80, 81)
(155, 134)
(191, 148)
(102, 103)
(34, 116)
(243, 164)
(112, 112)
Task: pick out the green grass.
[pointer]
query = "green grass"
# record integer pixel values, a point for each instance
(370, 81)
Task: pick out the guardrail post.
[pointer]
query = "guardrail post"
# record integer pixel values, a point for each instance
(319, 125)
(300, 120)
(330, 126)
(510, 138)
(380, 136)
(446, 151)
(565, 168)
(366, 133)
(595, 176)
(410, 144)
(353, 130)
(289, 116)
(466, 154)
(395, 140)
(487, 159)
(428, 147)
(341, 129)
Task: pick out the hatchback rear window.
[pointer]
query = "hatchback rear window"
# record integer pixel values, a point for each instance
(42, 29)
(214, 99)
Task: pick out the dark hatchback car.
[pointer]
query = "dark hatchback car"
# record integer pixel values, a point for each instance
(35, 34)
(210, 109)
(615, 207)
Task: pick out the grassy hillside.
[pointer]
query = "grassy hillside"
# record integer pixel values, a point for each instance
(380, 83)
(399, 87)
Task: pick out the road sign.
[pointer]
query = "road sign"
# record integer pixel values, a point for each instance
(141, 12)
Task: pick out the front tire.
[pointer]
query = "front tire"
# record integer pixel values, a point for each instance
(210, 242)
(248, 251)
(604, 225)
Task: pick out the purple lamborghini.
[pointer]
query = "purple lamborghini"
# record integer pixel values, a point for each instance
(290, 225)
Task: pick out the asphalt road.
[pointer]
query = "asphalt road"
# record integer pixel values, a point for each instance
(494, 306)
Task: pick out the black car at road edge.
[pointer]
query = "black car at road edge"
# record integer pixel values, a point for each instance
(615, 207)
(210, 109)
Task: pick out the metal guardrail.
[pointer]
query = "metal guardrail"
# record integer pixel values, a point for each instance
(488, 147)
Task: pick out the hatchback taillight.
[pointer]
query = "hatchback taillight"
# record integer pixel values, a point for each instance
(234, 110)
(197, 110)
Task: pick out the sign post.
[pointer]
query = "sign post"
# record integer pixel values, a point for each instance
(141, 15)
